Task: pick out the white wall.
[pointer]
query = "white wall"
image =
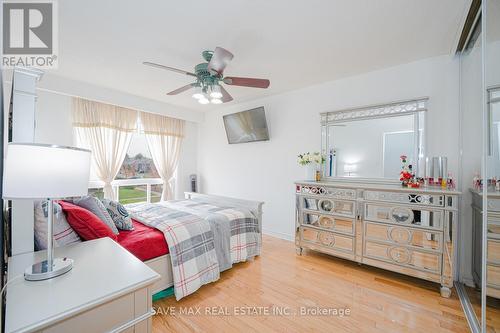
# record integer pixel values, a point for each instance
(54, 125)
(267, 170)
(53, 119)
(97, 93)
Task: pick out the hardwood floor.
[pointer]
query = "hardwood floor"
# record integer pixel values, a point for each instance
(492, 309)
(378, 301)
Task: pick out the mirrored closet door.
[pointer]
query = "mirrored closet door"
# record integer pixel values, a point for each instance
(491, 229)
(471, 104)
(480, 204)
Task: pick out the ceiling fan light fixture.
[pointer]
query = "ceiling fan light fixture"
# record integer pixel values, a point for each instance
(207, 87)
(215, 91)
(203, 100)
(198, 93)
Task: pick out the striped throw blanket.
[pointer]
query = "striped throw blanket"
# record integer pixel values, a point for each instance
(203, 239)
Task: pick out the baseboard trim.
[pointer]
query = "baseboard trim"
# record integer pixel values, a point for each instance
(279, 235)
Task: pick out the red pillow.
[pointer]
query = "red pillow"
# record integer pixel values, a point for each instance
(86, 224)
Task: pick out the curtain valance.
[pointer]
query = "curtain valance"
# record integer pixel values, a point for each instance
(95, 114)
(162, 125)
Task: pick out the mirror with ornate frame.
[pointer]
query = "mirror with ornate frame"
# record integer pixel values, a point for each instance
(365, 144)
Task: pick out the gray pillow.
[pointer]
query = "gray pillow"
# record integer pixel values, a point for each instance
(95, 206)
(119, 214)
(63, 233)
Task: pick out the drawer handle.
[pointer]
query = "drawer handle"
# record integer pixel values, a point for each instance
(326, 222)
(401, 255)
(326, 239)
(325, 205)
(399, 235)
(401, 215)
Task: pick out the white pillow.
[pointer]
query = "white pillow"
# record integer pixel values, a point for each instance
(63, 233)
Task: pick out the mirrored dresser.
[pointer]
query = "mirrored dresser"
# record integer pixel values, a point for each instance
(492, 241)
(409, 231)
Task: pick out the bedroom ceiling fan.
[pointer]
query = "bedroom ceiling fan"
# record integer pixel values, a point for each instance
(209, 76)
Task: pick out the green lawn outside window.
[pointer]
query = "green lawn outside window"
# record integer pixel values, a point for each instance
(133, 194)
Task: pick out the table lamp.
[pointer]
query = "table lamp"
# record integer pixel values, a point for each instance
(39, 171)
(349, 169)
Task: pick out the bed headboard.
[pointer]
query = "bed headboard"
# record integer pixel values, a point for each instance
(254, 206)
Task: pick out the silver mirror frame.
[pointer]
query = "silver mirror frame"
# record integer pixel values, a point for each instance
(416, 107)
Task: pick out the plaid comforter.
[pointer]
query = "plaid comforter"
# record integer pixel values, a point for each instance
(203, 239)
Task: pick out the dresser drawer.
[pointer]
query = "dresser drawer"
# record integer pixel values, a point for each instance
(437, 200)
(103, 318)
(494, 251)
(494, 205)
(493, 228)
(108, 316)
(404, 215)
(144, 326)
(403, 256)
(328, 206)
(493, 276)
(329, 222)
(398, 235)
(321, 190)
(327, 239)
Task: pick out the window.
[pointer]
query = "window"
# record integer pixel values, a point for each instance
(138, 162)
(136, 165)
(117, 135)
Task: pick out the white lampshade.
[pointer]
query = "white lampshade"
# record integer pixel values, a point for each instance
(38, 171)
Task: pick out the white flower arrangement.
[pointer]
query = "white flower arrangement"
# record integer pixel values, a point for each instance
(308, 158)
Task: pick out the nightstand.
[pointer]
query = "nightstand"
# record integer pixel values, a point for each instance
(108, 290)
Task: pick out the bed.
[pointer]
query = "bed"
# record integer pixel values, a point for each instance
(148, 243)
(188, 242)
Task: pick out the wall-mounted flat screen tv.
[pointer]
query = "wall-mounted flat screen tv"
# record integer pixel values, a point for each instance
(246, 126)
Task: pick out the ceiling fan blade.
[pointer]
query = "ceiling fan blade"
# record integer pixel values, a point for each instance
(152, 64)
(219, 61)
(181, 89)
(247, 82)
(225, 95)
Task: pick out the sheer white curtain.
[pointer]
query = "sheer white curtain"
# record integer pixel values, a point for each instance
(106, 130)
(164, 136)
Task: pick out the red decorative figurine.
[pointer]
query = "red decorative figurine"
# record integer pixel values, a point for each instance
(406, 176)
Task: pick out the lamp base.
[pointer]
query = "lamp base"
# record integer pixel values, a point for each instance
(40, 270)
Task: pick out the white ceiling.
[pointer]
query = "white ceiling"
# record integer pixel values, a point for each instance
(292, 43)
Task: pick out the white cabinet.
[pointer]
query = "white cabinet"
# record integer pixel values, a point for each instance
(108, 290)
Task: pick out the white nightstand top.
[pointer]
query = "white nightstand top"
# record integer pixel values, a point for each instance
(102, 271)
